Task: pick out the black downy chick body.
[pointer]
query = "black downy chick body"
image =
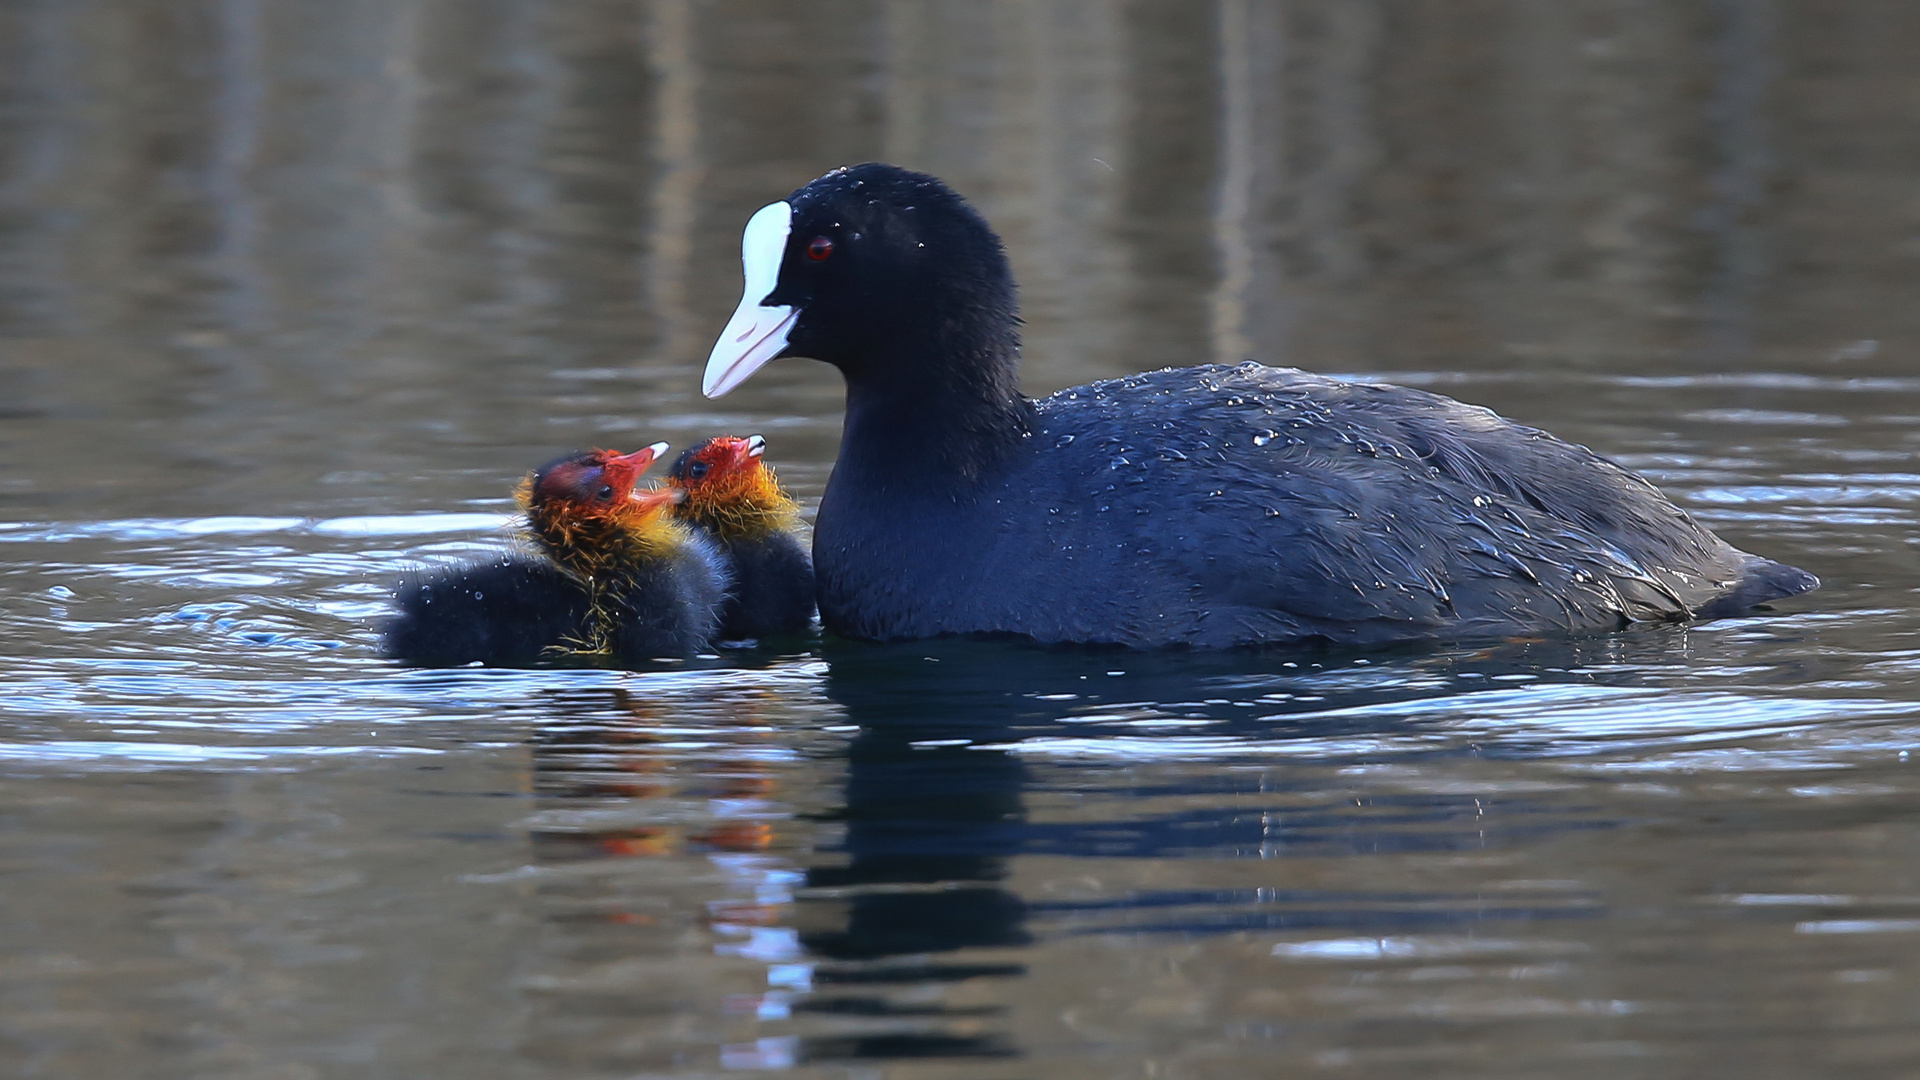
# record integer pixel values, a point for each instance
(616, 579)
(1201, 506)
(509, 611)
(730, 493)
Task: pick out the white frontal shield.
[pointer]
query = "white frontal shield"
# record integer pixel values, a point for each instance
(757, 332)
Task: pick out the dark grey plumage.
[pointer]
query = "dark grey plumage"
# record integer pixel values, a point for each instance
(1204, 506)
(1216, 506)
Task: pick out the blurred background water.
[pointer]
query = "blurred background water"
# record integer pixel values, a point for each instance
(291, 293)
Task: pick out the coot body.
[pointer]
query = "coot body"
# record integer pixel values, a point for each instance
(616, 579)
(1204, 506)
(733, 496)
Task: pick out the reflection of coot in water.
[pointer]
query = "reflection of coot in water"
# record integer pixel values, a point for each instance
(932, 795)
(930, 802)
(919, 894)
(933, 812)
(928, 830)
(1206, 506)
(943, 817)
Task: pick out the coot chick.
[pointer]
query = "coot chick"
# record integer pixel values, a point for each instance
(1204, 506)
(615, 578)
(731, 493)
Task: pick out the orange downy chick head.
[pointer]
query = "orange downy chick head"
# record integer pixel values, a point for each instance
(580, 503)
(729, 488)
(598, 483)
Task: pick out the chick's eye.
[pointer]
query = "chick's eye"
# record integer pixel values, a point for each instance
(605, 492)
(819, 249)
(697, 470)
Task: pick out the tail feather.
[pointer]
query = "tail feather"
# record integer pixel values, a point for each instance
(1761, 580)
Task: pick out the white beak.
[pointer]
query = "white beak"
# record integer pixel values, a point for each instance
(757, 332)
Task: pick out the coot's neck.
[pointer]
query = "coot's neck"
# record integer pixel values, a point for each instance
(944, 413)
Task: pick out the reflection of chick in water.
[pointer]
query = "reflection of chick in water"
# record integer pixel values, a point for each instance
(926, 836)
(647, 760)
(657, 877)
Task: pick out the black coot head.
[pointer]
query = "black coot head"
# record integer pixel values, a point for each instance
(879, 271)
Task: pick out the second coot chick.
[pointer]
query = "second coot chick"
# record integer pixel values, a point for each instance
(731, 494)
(1204, 506)
(616, 577)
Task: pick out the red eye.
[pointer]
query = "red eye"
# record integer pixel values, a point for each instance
(819, 249)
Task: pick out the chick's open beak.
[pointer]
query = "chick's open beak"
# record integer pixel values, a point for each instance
(660, 498)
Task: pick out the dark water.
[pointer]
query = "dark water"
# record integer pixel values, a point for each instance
(291, 293)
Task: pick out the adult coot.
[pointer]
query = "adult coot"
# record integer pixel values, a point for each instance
(1204, 506)
(728, 491)
(615, 577)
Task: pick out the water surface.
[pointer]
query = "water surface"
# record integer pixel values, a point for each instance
(291, 294)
